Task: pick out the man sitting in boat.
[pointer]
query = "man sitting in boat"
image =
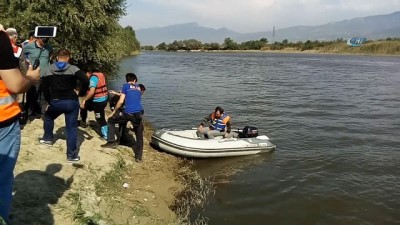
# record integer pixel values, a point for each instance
(219, 125)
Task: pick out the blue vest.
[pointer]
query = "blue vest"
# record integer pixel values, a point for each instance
(219, 124)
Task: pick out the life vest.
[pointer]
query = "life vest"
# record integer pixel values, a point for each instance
(219, 124)
(101, 88)
(9, 106)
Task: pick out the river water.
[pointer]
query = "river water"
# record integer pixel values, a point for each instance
(334, 119)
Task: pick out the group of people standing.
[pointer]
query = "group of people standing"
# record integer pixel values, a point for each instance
(61, 84)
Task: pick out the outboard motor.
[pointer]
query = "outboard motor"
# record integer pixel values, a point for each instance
(248, 132)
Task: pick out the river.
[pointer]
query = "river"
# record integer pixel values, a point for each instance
(333, 118)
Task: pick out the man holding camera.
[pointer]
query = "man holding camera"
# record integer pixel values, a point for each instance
(12, 82)
(40, 50)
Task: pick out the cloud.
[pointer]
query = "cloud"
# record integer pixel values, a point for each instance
(251, 15)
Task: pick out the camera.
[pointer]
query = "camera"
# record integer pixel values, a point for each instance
(45, 31)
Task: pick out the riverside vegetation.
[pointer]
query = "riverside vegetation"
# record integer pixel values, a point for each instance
(89, 29)
(389, 46)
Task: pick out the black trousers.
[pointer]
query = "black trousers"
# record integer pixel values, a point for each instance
(32, 100)
(136, 120)
(98, 108)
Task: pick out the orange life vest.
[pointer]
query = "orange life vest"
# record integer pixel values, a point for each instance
(219, 124)
(101, 88)
(9, 106)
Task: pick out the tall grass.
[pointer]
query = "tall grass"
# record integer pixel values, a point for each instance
(373, 47)
(193, 195)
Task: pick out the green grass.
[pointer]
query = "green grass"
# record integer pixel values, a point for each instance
(106, 185)
(80, 214)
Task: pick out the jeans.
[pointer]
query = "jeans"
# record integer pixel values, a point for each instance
(10, 143)
(70, 108)
(136, 120)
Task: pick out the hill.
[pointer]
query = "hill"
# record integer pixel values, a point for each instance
(371, 27)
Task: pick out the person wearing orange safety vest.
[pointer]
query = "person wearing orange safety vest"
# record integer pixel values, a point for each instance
(12, 82)
(96, 100)
(219, 125)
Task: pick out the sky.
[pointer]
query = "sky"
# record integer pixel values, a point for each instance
(250, 15)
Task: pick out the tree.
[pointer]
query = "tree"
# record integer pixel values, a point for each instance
(147, 48)
(89, 29)
(162, 47)
(192, 44)
(176, 45)
(212, 46)
(229, 44)
(307, 45)
(264, 40)
(130, 41)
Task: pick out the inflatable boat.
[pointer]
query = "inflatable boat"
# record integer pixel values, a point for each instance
(187, 143)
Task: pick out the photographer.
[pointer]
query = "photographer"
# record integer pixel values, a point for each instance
(12, 82)
(42, 50)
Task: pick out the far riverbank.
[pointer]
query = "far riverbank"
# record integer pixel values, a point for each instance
(381, 47)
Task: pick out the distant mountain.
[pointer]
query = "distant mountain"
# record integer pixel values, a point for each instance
(371, 27)
(168, 34)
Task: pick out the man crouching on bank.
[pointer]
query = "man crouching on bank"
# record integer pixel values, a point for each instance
(131, 95)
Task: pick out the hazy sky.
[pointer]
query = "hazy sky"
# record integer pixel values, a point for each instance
(250, 15)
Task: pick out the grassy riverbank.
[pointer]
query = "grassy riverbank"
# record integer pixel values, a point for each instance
(382, 47)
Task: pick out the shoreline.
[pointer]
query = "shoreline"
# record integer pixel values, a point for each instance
(316, 52)
(105, 187)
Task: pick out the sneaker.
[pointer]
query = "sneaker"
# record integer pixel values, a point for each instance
(72, 160)
(138, 160)
(82, 124)
(110, 145)
(44, 142)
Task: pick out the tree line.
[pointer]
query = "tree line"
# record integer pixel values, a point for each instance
(193, 44)
(89, 29)
(229, 44)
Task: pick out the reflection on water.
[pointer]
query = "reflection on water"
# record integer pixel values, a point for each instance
(222, 170)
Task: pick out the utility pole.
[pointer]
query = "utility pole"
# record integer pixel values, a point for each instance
(273, 34)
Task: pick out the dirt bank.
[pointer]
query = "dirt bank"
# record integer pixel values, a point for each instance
(49, 190)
